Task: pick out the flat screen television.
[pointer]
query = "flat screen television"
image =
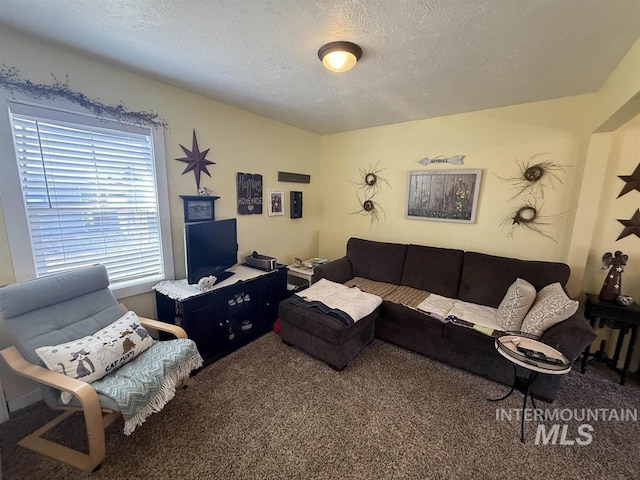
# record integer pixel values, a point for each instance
(210, 248)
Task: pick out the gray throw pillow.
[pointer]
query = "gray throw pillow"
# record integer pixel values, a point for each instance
(515, 305)
(551, 306)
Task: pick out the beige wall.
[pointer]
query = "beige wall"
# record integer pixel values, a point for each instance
(619, 96)
(496, 141)
(623, 159)
(240, 141)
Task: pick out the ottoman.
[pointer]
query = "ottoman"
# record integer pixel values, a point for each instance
(322, 336)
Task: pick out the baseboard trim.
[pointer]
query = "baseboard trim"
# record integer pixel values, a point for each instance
(24, 400)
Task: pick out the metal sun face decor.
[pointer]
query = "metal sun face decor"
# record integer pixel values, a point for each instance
(443, 195)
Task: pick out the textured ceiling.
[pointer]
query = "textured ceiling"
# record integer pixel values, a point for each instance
(421, 58)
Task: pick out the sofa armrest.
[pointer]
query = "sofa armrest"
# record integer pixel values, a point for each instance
(338, 271)
(570, 336)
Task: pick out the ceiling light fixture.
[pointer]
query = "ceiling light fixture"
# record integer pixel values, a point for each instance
(339, 56)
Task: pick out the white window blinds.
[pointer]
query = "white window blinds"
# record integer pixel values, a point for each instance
(90, 197)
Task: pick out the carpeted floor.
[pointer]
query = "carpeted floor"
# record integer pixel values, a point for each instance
(269, 411)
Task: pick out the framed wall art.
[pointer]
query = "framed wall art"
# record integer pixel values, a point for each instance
(276, 202)
(443, 195)
(249, 193)
(198, 208)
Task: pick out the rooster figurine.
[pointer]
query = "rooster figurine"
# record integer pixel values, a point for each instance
(613, 282)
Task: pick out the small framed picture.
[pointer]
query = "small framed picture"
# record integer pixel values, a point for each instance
(198, 208)
(276, 202)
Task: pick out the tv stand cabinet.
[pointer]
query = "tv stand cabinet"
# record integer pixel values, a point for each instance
(227, 318)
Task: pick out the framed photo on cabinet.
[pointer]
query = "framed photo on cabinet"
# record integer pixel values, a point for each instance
(198, 208)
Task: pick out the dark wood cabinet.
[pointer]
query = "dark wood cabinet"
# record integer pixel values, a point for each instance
(229, 317)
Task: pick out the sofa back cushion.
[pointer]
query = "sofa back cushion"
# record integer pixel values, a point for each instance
(436, 270)
(378, 261)
(486, 278)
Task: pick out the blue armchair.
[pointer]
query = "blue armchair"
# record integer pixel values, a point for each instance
(69, 306)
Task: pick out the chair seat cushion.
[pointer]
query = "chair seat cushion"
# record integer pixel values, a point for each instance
(94, 356)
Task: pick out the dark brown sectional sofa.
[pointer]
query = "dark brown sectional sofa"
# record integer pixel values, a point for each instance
(468, 276)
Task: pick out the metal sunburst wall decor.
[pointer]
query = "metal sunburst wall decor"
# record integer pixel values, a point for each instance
(369, 185)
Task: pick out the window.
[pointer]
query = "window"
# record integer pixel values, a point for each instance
(90, 194)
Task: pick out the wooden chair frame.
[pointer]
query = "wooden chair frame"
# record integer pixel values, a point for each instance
(96, 418)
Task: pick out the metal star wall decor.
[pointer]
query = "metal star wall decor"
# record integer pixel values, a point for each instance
(632, 181)
(631, 226)
(195, 160)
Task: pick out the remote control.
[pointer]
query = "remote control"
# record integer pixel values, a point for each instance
(535, 355)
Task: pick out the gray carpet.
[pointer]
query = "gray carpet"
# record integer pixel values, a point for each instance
(269, 411)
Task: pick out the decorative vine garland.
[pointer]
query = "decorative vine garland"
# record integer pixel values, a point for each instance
(11, 80)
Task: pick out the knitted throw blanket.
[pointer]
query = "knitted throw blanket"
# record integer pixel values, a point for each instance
(145, 385)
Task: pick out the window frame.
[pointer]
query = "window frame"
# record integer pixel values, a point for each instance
(15, 216)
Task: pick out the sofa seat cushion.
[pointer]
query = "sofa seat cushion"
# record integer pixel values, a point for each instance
(479, 315)
(403, 295)
(408, 296)
(410, 319)
(381, 289)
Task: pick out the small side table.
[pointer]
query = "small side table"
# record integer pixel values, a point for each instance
(535, 356)
(301, 277)
(617, 317)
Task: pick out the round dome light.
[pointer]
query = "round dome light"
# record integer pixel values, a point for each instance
(339, 56)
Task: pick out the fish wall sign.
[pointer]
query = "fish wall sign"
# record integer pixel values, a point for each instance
(456, 160)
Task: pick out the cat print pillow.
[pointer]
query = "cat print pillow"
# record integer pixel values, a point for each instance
(94, 356)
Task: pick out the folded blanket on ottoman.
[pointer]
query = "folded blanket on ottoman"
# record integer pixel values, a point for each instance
(325, 296)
